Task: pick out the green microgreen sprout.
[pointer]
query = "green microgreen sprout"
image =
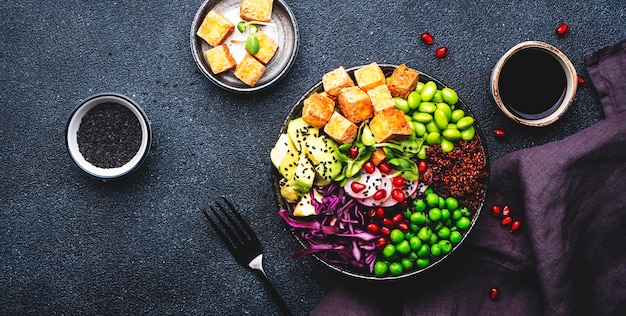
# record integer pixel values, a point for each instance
(252, 42)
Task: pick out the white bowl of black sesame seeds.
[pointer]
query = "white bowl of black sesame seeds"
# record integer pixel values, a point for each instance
(108, 136)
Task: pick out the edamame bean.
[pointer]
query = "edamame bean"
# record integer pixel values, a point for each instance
(422, 117)
(446, 109)
(422, 153)
(465, 122)
(380, 268)
(468, 133)
(419, 129)
(426, 107)
(451, 134)
(437, 97)
(431, 127)
(413, 100)
(449, 96)
(457, 115)
(446, 145)
(402, 104)
(433, 138)
(428, 92)
(419, 86)
(441, 119)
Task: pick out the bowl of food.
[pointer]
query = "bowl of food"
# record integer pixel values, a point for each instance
(380, 171)
(108, 136)
(242, 45)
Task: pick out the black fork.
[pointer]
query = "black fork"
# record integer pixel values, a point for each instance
(242, 243)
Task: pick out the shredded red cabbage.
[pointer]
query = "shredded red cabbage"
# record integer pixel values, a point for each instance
(337, 234)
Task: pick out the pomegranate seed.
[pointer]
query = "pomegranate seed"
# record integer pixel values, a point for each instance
(380, 194)
(441, 52)
(357, 186)
(354, 151)
(373, 228)
(385, 230)
(369, 167)
(404, 227)
(506, 210)
(495, 210)
(398, 195)
(398, 218)
(580, 80)
(380, 213)
(427, 38)
(561, 30)
(381, 242)
(494, 293)
(384, 168)
(506, 221)
(387, 222)
(422, 166)
(499, 133)
(515, 226)
(398, 181)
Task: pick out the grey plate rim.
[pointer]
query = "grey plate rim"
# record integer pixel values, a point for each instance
(225, 80)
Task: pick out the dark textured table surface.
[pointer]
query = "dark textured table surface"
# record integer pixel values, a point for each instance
(70, 244)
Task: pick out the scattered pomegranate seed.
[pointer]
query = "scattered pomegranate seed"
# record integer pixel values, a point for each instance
(380, 194)
(357, 186)
(354, 151)
(506, 210)
(398, 181)
(373, 228)
(369, 167)
(385, 230)
(381, 242)
(515, 226)
(499, 133)
(441, 52)
(398, 218)
(495, 210)
(387, 222)
(427, 38)
(494, 293)
(404, 227)
(380, 213)
(562, 29)
(506, 221)
(384, 168)
(398, 195)
(422, 166)
(580, 80)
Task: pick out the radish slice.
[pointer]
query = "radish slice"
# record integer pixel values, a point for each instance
(387, 201)
(372, 182)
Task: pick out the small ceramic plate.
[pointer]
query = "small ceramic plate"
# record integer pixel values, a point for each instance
(283, 29)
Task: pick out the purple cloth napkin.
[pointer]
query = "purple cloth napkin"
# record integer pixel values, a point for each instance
(569, 257)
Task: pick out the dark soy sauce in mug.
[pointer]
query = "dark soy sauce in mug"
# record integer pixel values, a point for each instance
(532, 83)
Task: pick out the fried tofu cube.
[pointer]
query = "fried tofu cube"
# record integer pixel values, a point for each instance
(267, 48)
(381, 98)
(340, 129)
(317, 110)
(336, 80)
(378, 156)
(369, 77)
(388, 124)
(215, 28)
(256, 10)
(249, 70)
(220, 59)
(403, 80)
(355, 104)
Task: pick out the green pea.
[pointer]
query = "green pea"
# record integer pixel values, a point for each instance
(455, 237)
(422, 117)
(441, 119)
(435, 250)
(407, 264)
(418, 218)
(419, 87)
(415, 228)
(432, 200)
(437, 96)
(413, 100)
(451, 134)
(419, 205)
(433, 138)
(426, 107)
(442, 202)
(457, 115)
(403, 247)
(396, 236)
(446, 145)
(445, 214)
(413, 256)
(415, 243)
(445, 108)
(419, 129)
(428, 92)
(446, 246)
(389, 251)
(395, 268)
(449, 96)
(424, 251)
(422, 153)
(444, 232)
(380, 268)
(434, 214)
(468, 133)
(424, 234)
(433, 239)
(465, 122)
(422, 263)
(431, 127)
(452, 203)
(463, 223)
(402, 104)
(456, 214)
